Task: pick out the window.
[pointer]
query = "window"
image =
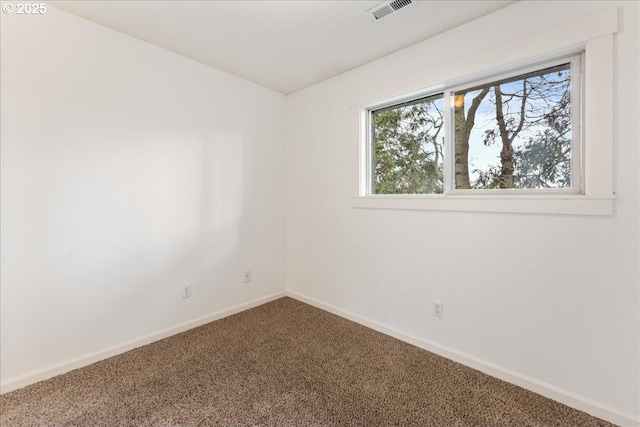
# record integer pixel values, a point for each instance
(408, 147)
(517, 133)
(557, 169)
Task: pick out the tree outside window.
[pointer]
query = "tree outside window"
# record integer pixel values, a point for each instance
(513, 133)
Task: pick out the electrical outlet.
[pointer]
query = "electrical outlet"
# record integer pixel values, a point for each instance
(438, 308)
(247, 276)
(186, 291)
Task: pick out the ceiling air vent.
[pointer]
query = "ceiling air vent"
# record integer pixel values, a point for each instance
(387, 8)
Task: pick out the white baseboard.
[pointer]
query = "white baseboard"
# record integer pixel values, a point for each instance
(590, 406)
(581, 403)
(87, 359)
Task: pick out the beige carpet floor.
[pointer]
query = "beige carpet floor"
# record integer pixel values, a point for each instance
(284, 363)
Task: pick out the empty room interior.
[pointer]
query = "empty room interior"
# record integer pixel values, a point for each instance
(320, 213)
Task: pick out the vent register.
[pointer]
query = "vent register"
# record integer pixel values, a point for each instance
(387, 8)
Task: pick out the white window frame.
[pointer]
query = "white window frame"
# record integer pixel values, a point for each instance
(575, 62)
(593, 35)
(577, 142)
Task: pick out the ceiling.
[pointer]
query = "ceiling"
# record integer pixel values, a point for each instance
(283, 45)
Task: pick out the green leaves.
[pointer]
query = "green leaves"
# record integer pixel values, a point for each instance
(408, 154)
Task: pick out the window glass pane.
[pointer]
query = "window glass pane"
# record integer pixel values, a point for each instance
(515, 133)
(408, 147)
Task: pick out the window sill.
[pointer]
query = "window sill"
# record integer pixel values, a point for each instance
(535, 204)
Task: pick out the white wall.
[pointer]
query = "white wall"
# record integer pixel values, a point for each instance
(548, 298)
(127, 172)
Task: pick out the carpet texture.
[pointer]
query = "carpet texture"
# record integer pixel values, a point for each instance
(284, 363)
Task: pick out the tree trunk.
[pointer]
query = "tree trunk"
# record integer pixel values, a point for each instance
(506, 154)
(463, 127)
(461, 144)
